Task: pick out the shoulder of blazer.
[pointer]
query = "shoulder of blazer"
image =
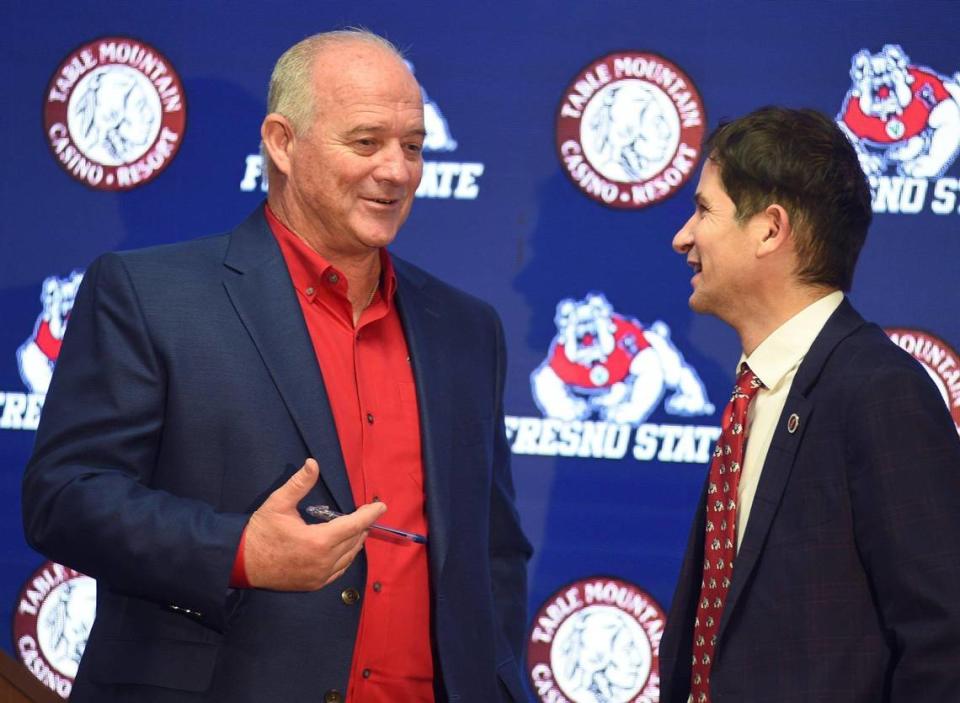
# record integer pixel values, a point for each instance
(411, 277)
(850, 349)
(166, 264)
(844, 323)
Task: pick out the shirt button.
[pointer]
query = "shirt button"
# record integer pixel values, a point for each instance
(350, 596)
(370, 418)
(366, 673)
(333, 278)
(333, 696)
(309, 291)
(377, 586)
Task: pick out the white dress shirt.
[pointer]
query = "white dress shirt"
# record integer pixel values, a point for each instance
(775, 362)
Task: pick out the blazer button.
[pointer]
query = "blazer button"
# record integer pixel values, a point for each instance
(349, 596)
(333, 696)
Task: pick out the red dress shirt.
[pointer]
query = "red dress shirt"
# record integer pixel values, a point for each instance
(367, 375)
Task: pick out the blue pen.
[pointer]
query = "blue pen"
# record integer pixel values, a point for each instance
(326, 513)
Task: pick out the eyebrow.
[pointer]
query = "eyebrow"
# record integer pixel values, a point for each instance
(368, 128)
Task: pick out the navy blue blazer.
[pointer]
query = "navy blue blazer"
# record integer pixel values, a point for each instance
(846, 587)
(187, 389)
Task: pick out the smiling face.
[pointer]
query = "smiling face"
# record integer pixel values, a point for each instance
(720, 250)
(349, 178)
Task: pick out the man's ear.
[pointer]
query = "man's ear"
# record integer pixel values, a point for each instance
(278, 138)
(774, 230)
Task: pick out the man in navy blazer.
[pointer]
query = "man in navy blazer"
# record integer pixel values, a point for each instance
(846, 581)
(188, 394)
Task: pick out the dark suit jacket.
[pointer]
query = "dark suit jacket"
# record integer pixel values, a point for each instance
(846, 588)
(186, 391)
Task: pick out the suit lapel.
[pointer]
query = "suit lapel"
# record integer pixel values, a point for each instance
(423, 321)
(259, 286)
(783, 448)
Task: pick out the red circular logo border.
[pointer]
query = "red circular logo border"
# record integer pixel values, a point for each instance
(700, 131)
(177, 122)
(917, 331)
(534, 655)
(25, 624)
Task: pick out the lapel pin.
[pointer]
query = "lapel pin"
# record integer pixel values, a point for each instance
(793, 422)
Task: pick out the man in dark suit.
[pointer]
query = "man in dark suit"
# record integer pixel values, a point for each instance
(841, 516)
(195, 379)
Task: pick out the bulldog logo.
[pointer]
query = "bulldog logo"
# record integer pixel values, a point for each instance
(38, 354)
(602, 365)
(902, 118)
(438, 136)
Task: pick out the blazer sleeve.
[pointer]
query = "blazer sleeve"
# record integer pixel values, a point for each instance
(903, 459)
(87, 496)
(509, 548)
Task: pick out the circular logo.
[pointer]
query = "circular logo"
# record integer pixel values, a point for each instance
(52, 622)
(599, 375)
(939, 359)
(114, 113)
(596, 640)
(630, 128)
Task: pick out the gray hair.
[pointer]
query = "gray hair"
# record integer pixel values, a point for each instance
(291, 91)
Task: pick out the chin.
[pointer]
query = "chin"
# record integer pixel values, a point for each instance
(384, 233)
(699, 304)
(376, 234)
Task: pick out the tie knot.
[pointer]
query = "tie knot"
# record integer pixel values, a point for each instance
(747, 382)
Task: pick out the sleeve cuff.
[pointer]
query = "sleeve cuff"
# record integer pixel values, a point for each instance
(238, 576)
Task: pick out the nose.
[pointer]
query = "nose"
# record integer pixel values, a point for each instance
(683, 239)
(394, 167)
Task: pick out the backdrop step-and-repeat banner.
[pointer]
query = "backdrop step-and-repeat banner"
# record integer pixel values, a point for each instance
(563, 148)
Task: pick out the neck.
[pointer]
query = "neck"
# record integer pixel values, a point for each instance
(362, 284)
(361, 267)
(758, 321)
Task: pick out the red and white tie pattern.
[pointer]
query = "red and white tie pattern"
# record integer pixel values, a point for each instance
(720, 542)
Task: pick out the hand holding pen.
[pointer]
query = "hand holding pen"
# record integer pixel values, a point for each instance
(282, 552)
(325, 513)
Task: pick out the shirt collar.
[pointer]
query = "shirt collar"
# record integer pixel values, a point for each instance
(786, 346)
(308, 268)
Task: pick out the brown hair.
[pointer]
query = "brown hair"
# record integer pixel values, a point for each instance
(803, 161)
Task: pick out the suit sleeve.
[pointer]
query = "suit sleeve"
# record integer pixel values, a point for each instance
(904, 473)
(509, 548)
(87, 495)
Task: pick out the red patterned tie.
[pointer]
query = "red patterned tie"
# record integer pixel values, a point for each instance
(720, 542)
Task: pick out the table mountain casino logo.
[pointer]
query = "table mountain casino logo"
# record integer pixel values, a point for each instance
(903, 119)
(938, 358)
(596, 640)
(114, 113)
(629, 129)
(38, 353)
(52, 622)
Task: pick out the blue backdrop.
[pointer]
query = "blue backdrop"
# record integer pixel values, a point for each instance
(607, 486)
